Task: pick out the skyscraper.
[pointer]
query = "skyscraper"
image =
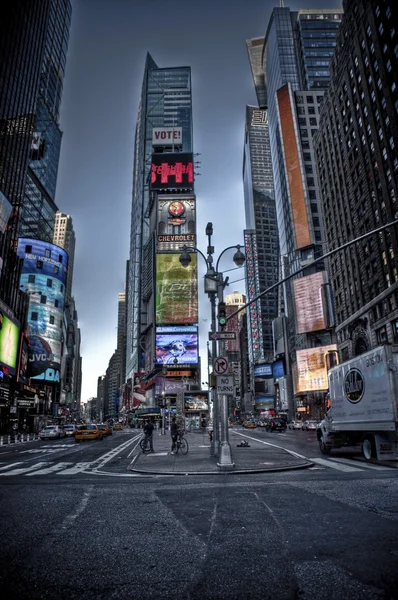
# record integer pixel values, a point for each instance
(64, 236)
(165, 103)
(297, 51)
(356, 148)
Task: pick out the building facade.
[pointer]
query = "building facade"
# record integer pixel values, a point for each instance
(356, 148)
(64, 236)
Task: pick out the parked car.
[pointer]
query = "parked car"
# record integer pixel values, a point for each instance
(106, 429)
(276, 425)
(51, 432)
(295, 425)
(88, 432)
(310, 425)
(69, 430)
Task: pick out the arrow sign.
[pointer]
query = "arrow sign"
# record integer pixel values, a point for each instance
(220, 366)
(222, 335)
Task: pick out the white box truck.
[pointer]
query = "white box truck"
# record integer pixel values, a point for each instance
(363, 411)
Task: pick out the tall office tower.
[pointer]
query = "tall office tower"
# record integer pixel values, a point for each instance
(64, 236)
(233, 302)
(101, 394)
(121, 333)
(71, 360)
(297, 51)
(356, 148)
(163, 218)
(112, 387)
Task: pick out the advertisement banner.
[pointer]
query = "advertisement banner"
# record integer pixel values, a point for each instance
(9, 342)
(176, 290)
(311, 369)
(194, 401)
(166, 136)
(172, 171)
(263, 370)
(176, 222)
(309, 305)
(139, 389)
(254, 330)
(177, 348)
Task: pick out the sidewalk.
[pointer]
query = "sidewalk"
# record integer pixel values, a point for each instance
(258, 458)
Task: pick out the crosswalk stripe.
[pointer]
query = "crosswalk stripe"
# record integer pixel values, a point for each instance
(347, 461)
(51, 469)
(76, 469)
(334, 465)
(26, 470)
(10, 465)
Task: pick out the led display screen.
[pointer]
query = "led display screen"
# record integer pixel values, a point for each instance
(172, 171)
(263, 370)
(311, 369)
(194, 401)
(309, 305)
(180, 346)
(278, 369)
(176, 290)
(9, 338)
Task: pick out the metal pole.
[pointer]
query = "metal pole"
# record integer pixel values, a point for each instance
(214, 446)
(225, 457)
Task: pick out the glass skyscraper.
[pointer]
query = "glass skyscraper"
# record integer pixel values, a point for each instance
(165, 102)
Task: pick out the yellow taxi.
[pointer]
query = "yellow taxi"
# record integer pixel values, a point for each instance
(105, 428)
(88, 432)
(117, 427)
(249, 425)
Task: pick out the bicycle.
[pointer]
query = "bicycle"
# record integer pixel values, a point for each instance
(145, 445)
(181, 444)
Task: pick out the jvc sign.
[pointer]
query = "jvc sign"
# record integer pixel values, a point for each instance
(225, 385)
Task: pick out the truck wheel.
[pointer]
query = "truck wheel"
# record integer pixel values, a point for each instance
(323, 448)
(368, 448)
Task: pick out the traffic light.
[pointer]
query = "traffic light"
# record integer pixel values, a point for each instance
(222, 315)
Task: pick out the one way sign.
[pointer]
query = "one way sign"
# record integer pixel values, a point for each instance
(225, 385)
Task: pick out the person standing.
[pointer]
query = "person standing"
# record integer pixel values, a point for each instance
(148, 431)
(174, 435)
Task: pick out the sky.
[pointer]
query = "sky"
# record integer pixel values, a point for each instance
(108, 43)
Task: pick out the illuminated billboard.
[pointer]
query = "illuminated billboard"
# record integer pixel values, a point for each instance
(308, 300)
(176, 221)
(176, 290)
(311, 369)
(9, 338)
(177, 348)
(254, 329)
(172, 171)
(194, 401)
(43, 279)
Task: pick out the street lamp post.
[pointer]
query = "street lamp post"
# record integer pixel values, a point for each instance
(164, 374)
(214, 286)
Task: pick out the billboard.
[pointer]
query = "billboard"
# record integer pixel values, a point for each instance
(43, 277)
(180, 346)
(176, 290)
(167, 136)
(194, 401)
(176, 221)
(294, 178)
(172, 171)
(5, 211)
(254, 330)
(309, 305)
(263, 370)
(232, 325)
(311, 369)
(9, 342)
(278, 369)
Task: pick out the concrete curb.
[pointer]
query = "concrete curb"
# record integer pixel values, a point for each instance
(304, 465)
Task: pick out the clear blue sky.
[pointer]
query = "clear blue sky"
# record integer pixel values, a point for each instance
(107, 48)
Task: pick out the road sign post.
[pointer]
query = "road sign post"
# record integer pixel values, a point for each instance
(222, 335)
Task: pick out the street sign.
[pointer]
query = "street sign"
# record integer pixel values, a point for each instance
(225, 385)
(222, 335)
(220, 366)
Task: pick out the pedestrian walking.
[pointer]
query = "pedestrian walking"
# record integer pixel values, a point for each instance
(148, 431)
(174, 435)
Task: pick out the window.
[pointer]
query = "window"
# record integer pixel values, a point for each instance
(52, 320)
(39, 264)
(47, 253)
(60, 258)
(381, 335)
(56, 303)
(49, 282)
(313, 121)
(31, 278)
(304, 132)
(56, 270)
(28, 249)
(34, 316)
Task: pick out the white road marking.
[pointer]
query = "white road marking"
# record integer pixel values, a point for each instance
(56, 467)
(296, 454)
(114, 452)
(84, 501)
(77, 468)
(10, 465)
(334, 465)
(347, 461)
(26, 470)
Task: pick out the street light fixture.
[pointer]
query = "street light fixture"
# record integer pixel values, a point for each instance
(214, 284)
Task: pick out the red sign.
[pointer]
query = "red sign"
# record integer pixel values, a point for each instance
(172, 171)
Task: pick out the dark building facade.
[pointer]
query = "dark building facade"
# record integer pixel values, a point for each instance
(357, 157)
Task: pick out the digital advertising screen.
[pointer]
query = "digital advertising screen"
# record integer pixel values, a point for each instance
(176, 221)
(179, 345)
(309, 304)
(311, 369)
(194, 401)
(43, 258)
(278, 369)
(263, 370)
(172, 171)
(9, 342)
(176, 290)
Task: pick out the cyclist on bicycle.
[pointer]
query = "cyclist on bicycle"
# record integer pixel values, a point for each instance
(148, 430)
(174, 435)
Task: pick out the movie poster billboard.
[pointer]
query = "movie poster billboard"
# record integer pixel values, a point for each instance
(311, 369)
(43, 279)
(309, 305)
(172, 171)
(176, 222)
(176, 290)
(139, 390)
(9, 342)
(194, 401)
(179, 346)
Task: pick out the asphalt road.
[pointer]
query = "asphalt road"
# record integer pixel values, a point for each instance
(75, 523)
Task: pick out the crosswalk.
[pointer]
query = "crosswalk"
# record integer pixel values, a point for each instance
(44, 468)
